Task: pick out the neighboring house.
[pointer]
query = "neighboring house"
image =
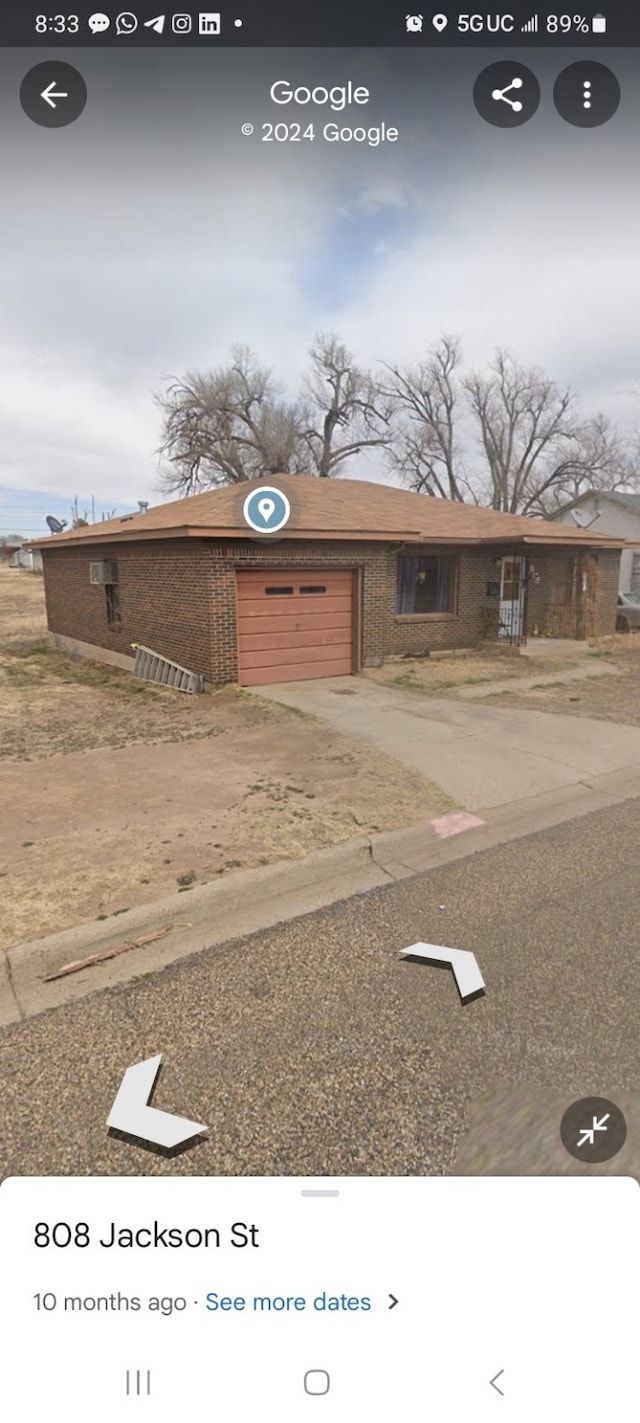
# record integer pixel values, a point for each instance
(359, 573)
(8, 553)
(616, 514)
(28, 558)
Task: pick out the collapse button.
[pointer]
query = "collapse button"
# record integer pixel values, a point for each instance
(593, 1130)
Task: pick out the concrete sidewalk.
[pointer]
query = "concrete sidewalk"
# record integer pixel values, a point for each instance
(481, 756)
(544, 679)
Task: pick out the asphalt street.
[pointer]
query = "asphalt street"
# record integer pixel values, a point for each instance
(312, 1048)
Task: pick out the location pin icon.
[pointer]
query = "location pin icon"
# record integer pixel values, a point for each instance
(266, 508)
(440, 22)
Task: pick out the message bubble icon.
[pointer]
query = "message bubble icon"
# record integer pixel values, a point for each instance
(98, 23)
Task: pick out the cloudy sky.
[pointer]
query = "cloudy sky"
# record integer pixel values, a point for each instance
(149, 236)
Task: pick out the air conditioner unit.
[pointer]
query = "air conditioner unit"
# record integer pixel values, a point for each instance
(103, 573)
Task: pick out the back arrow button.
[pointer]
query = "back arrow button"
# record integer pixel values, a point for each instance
(493, 1384)
(53, 94)
(50, 94)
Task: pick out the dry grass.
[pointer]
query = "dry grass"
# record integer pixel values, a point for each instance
(609, 698)
(443, 675)
(115, 793)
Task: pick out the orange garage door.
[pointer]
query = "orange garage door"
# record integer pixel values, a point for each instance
(293, 626)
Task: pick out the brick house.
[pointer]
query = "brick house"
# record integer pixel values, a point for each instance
(360, 572)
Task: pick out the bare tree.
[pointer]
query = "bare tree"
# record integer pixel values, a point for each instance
(234, 423)
(538, 450)
(525, 423)
(346, 409)
(427, 400)
(78, 520)
(226, 426)
(597, 458)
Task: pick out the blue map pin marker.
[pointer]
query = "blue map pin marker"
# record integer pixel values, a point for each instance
(266, 510)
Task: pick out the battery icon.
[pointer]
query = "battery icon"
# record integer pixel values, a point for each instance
(599, 24)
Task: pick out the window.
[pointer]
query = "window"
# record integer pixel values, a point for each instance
(425, 585)
(313, 588)
(271, 591)
(114, 616)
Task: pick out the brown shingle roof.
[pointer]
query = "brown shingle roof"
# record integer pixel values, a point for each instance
(332, 509)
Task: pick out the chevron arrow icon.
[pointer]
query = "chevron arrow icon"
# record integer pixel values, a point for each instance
(132, 1114)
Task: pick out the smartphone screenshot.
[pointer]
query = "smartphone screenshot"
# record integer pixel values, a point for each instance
(319, 713)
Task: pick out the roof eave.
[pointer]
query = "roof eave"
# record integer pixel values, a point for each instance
(573, 538)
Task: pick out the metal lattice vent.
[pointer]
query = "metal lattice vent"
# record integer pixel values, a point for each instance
(149, 666)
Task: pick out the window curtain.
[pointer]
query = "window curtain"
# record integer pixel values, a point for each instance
(440, 588)
(407, 574)
(443, 586)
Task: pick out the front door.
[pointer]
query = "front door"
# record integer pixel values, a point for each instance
(512, 591)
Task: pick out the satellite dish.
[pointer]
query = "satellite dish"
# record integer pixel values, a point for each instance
(55, 525)
(583, 521)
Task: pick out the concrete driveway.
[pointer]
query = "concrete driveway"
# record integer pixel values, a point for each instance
(480, 756)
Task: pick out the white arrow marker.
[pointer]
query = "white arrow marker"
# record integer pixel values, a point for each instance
(132, 1114)
(464, 964)
(51, 93)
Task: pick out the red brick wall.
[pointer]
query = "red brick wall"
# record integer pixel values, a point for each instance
(178, 596)
(383, 633)
(607, 579)
(164, 599)
(559, 571)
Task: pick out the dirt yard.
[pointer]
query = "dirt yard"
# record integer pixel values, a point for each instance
(613, 698)
(442, 675)
(115, 793)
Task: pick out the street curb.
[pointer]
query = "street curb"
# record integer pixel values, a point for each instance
(203, 916)
(211, 915)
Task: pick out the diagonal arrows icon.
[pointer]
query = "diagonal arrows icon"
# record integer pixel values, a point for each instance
(464, 964)
(132, 1114)
(589, 1133)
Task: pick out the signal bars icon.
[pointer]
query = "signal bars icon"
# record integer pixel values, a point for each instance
(531, 27)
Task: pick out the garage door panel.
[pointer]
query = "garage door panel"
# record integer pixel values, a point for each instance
(290, 656)
(297, 622)
(296, 635)
(249, 582)
(302, 672)
(274, 607)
